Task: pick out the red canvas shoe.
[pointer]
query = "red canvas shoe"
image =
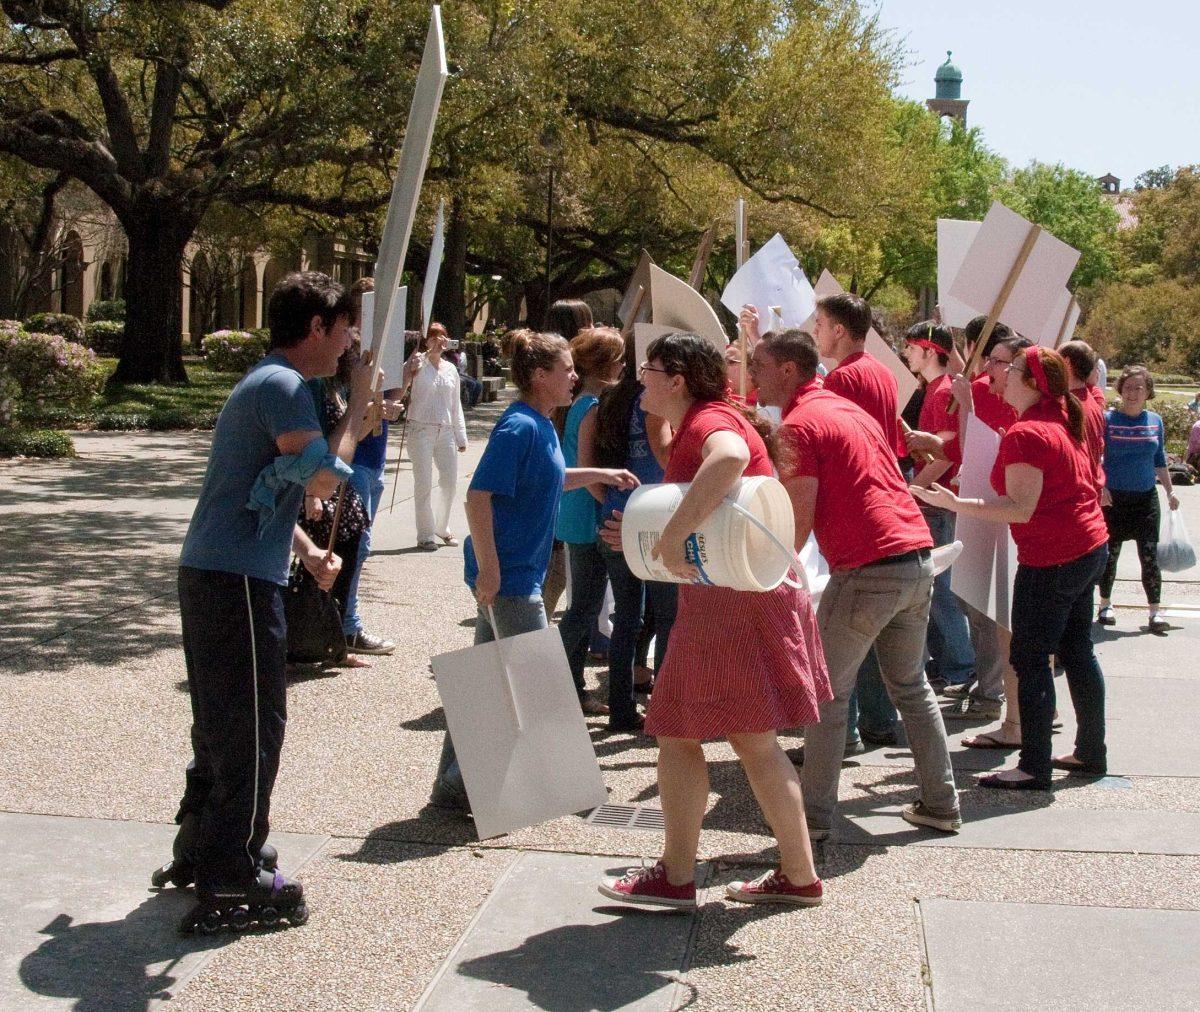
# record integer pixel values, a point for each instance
(774, 887)
(649, 887)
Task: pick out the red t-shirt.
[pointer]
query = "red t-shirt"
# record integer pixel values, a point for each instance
(864, 511)
(1093, 426)
(704, 418)
(1067, 522)
(995, 412)
(1098, 396)
(866, 381)
(936, 417)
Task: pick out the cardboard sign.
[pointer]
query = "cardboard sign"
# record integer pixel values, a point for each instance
(1060, 324)
(641, 278)
(676, 304)
(366, 321)
(772, 278)
(983, 575)
(437, 250)
(406, 189)
(986, 268)
(518, 732)
(645, 334)
(393, 347)
(954, 238)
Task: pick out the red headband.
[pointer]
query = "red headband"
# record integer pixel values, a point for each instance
(1037, 372)
(920, 342)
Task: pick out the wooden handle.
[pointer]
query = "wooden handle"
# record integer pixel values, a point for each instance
(337, 516)
(998, 306)
(696, 278)
(921, 455)
(1062, 327)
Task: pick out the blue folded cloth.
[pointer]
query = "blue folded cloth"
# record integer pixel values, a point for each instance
(291, 469)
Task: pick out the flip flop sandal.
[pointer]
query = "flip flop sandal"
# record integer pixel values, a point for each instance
(1080, 769)
(994, 780)
(987, 740)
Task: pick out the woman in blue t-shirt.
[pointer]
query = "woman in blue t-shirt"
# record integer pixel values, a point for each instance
(1134, 456)
(512, 504)
(598, 354)
(628, 437)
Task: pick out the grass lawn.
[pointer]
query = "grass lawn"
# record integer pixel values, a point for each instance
(147, 405)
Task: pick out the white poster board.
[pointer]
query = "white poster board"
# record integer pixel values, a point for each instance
(393, 348)
(518, 732)
(406, 188)
(677, 304)
(366, 320)
(772, 277)
(1062, 320)
(983, 574)
(644, 335)
(437, 250)
(954, 238)
(640, 279)
(990, 259)
(876, 346)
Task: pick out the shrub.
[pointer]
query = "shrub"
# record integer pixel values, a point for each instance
(10, 393)
(9, 326)
(1177, 420)
(62, 324)
(106, 311)
(233, 350)
(35, 443)
(104, 337)
(48, 368)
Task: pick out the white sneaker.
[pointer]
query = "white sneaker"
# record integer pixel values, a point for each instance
(919, 815)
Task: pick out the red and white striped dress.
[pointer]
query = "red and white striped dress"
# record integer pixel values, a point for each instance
(738, 661)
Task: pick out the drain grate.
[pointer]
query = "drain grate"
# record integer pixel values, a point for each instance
(639, 817)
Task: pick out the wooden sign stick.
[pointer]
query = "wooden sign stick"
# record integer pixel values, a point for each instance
(337, 516)
(998, 305)
(696, 278)
(399, 457)
(918, 455)
(1062, 328)
(744, 252)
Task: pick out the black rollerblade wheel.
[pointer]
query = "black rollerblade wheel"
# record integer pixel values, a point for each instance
(298, 916)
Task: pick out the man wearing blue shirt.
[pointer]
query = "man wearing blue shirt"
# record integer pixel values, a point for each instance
(267, 447)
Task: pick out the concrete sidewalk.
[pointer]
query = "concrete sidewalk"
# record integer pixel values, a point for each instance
(406, 903)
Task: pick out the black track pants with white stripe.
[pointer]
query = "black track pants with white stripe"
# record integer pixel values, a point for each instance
(235, 647)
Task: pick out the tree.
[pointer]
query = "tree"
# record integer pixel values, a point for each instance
(28, 251)
(1154, 179)
(164, 109)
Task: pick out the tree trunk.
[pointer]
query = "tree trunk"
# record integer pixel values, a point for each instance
(152, 349)
(450, 299)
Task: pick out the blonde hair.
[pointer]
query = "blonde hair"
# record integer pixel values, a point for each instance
(596, 350)
(527, 351)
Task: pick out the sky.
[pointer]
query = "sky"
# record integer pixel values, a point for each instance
(1100, 86)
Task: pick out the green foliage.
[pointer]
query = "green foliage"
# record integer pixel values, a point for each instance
(1070, 205)
(233, 350)
(106, 310)
(1154, 325)
(50, 369)
(104, 337)
(1177, 420)
(35, 443)
(1154, 179)
(62, 324)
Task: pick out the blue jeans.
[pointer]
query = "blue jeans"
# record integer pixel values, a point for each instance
(514, 615)
(870, 705)
(949, 639)
(588, 579)
(629, 595)
(1052, 614)
(368, 483)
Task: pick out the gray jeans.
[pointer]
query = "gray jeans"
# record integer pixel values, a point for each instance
(514, 615)
(886, 605)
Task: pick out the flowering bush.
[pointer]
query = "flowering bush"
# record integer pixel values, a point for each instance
(1177, 420)
(104, 337)
(233, 350)
(9, 326)
(48, 368)
(62, 324)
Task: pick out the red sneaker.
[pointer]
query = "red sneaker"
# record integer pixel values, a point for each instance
(774, 887)
(649, 887)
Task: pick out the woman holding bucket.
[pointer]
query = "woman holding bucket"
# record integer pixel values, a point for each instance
(512, 504)
(740, 665)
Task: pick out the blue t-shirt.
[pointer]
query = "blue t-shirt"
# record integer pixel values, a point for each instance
(579, 511)
(522, 466)
(640, 460)
(1133, 448)
(270, 400)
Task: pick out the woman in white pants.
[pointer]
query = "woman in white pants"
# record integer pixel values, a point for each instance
(437, 432)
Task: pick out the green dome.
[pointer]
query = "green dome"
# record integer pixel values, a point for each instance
(948, 79)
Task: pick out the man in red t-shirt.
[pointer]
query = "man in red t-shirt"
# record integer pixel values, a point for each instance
(847, 489)
(1081, 363)
(840, 332)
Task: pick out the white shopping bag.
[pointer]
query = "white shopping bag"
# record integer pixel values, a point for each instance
(1175, 551)
(518, 732)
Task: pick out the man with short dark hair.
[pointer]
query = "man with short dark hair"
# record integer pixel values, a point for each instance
(846, 487)
(267, 449)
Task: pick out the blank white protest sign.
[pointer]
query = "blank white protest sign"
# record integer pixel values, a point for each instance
(644, 335)
(437, 250)
(406, 189)
(675, 303)
(772, 277)
(954, 238)
(983, 574)
(990, 259)
(393, 345)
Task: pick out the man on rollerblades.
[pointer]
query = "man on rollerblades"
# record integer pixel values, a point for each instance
(267, 450)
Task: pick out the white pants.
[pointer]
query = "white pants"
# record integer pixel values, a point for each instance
(429, 445)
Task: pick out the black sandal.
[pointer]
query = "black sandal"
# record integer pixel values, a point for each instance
(1080, 769)
(994, 780)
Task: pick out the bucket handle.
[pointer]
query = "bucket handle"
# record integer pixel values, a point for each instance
(794, 563)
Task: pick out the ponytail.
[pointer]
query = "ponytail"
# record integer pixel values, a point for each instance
(1046, 371)
(528, 351)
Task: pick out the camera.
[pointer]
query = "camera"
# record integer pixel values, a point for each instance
(452, 345)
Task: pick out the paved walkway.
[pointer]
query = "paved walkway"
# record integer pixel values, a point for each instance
(1087, 897)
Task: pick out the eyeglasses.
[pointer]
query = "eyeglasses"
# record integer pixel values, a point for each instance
(991, 360)
(646, 367)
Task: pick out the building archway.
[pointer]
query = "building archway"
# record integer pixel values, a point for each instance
(71, 275)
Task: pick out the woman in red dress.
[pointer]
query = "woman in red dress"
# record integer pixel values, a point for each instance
(740, 665)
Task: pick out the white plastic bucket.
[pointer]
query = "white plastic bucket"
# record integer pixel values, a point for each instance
(729, 549)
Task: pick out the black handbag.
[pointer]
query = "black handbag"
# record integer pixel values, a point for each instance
(314, 621)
